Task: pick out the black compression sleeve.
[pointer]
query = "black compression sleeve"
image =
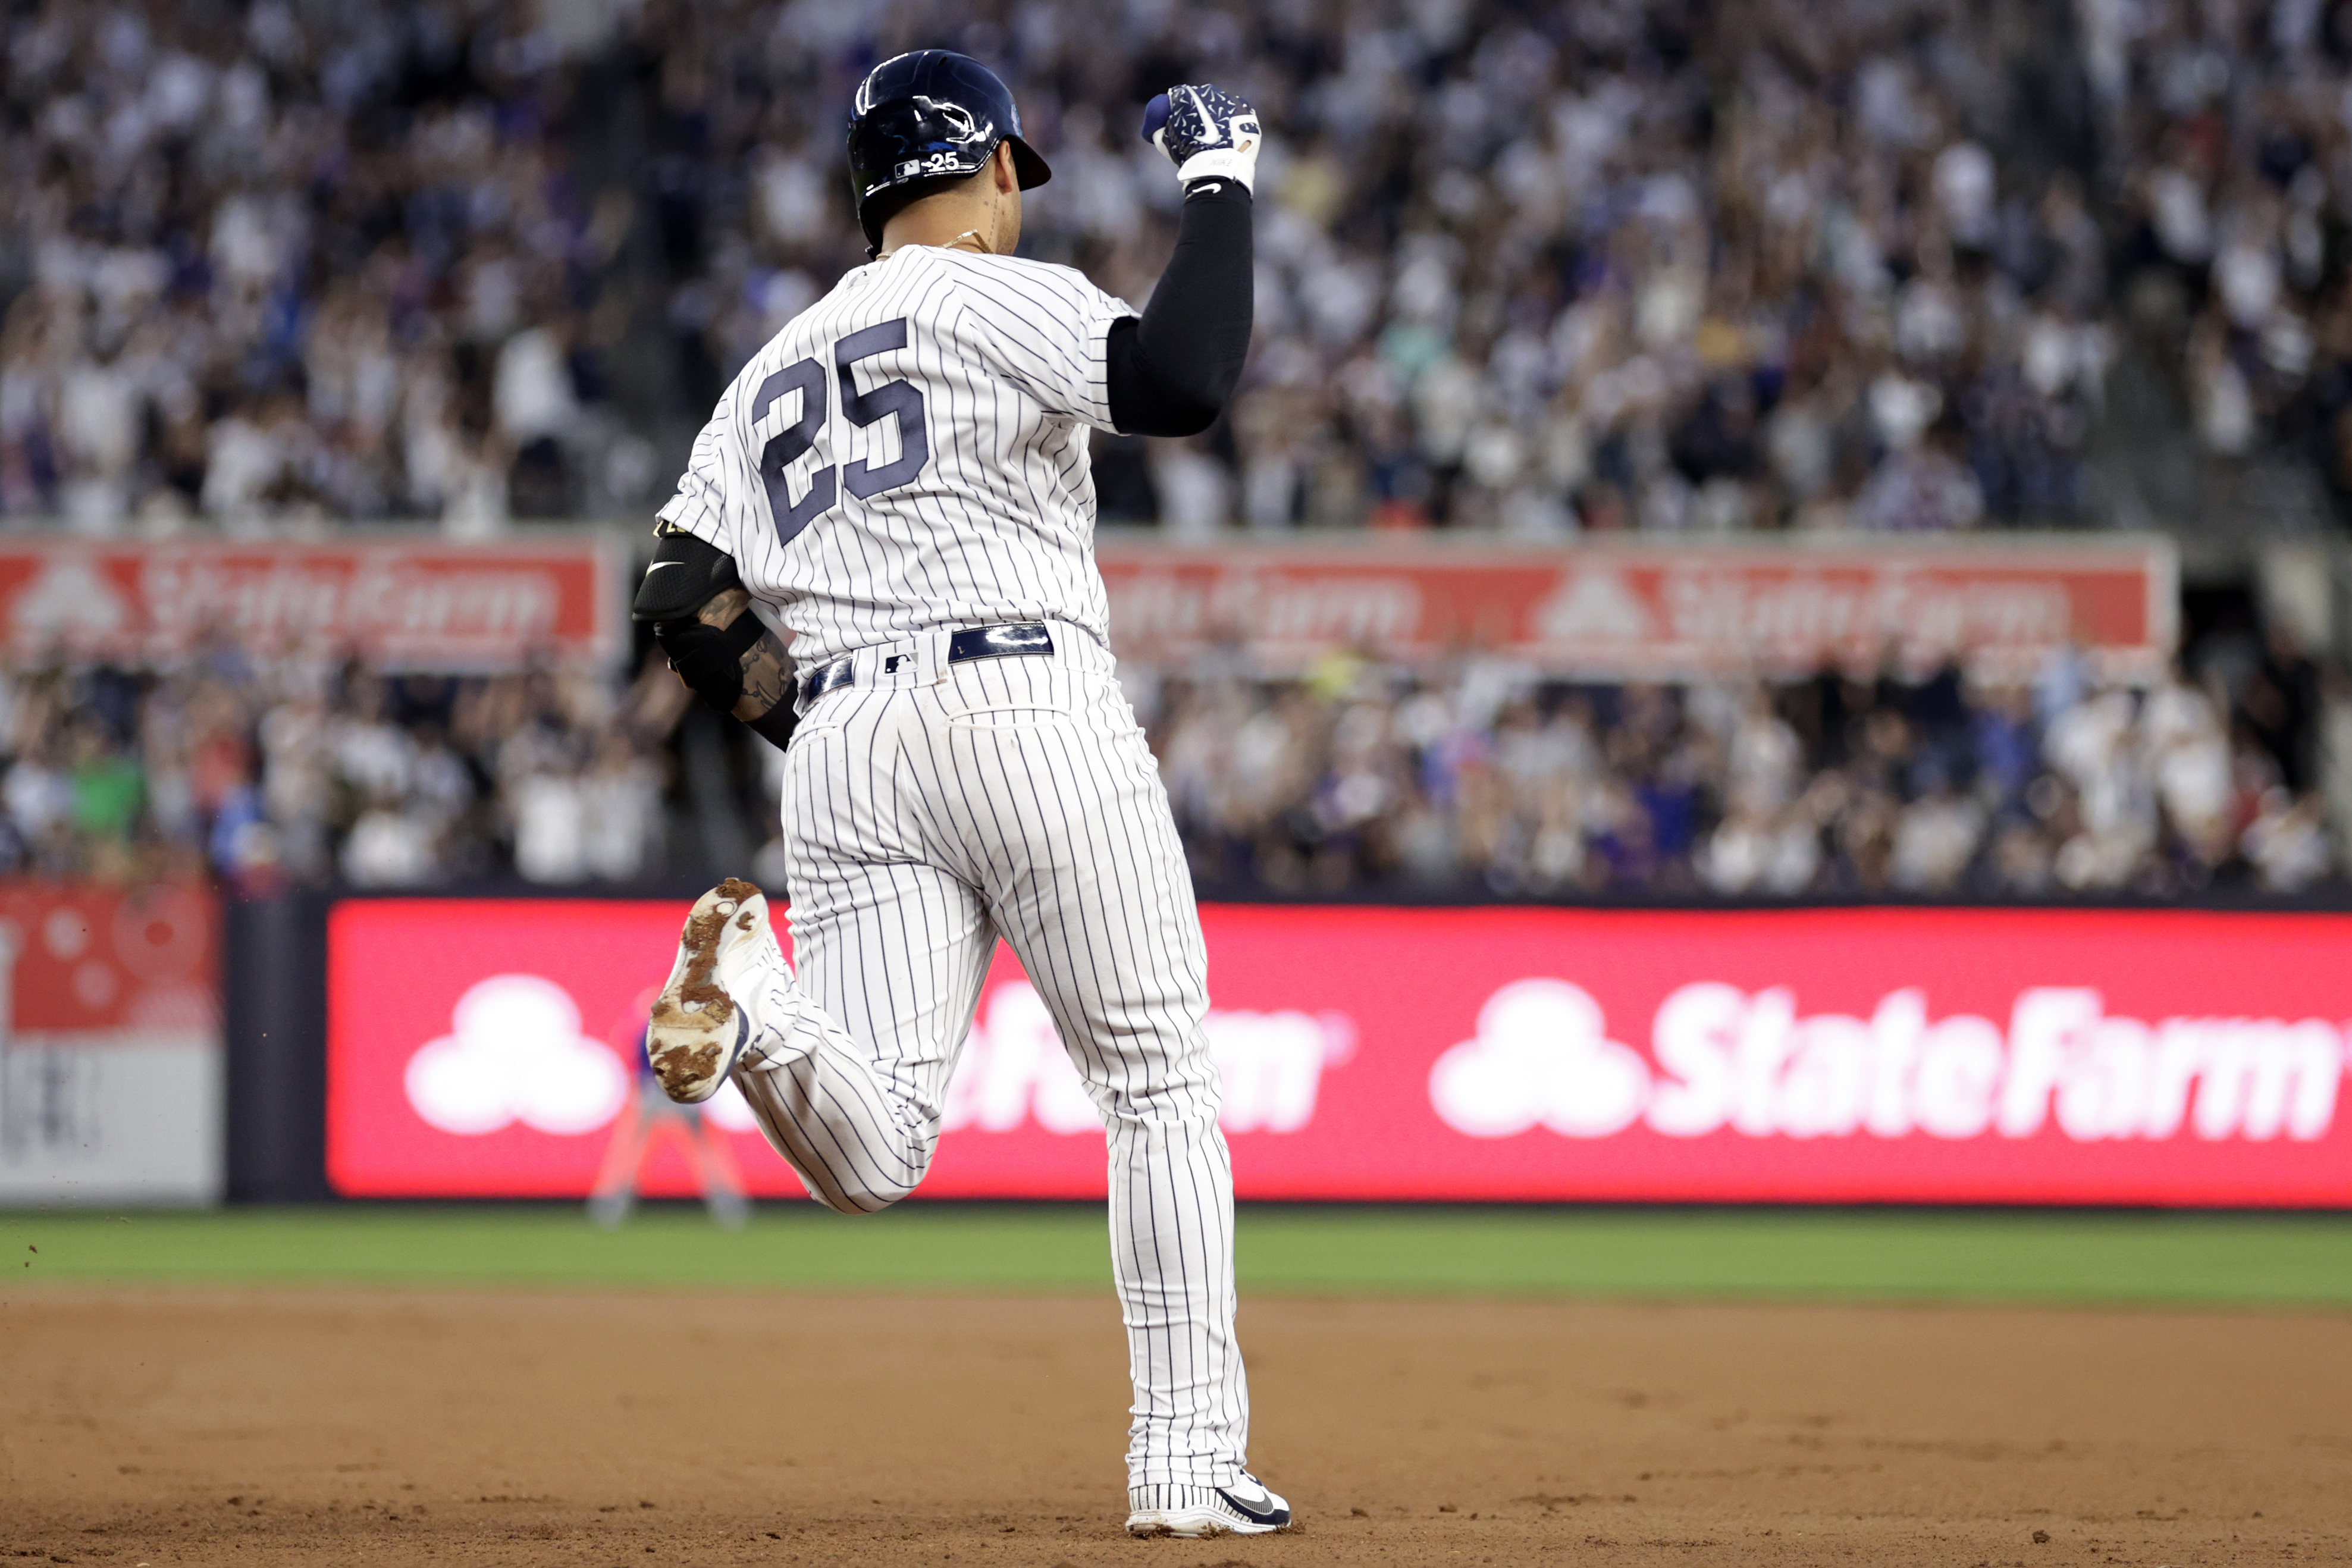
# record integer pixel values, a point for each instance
(709, 660)
(1171, 371)
(777, 724)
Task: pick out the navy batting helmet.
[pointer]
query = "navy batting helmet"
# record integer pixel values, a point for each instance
(933, 115)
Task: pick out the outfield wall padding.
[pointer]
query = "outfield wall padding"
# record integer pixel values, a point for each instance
(276, 1028)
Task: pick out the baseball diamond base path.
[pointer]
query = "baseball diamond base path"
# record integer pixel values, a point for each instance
(213, 1426)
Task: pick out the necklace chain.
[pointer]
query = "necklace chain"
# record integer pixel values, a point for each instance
(977, 247)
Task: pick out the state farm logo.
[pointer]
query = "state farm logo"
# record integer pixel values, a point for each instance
(1270, 1064)
(1541, 1057)
(514, 1052)
(71, 599)
(1725, 1058)
(1597, 605)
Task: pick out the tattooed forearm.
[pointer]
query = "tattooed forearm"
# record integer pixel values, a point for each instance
(721, 608)
(767, 679)
(767, 667)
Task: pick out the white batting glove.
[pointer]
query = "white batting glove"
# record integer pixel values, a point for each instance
(1207, 133)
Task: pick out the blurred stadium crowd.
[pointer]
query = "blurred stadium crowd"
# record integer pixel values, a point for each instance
(270, 772)
(1358, 778)
(276, 264)
(1614, 264)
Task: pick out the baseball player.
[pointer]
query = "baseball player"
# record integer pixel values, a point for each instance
(900, 481)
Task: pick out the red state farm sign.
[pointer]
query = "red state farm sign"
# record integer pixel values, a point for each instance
(111, 1085)
(1653, 610)
(1836, 1056)
(86, 964)
(419, 604)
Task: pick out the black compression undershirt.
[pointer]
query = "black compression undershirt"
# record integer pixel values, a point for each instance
(1171, 371)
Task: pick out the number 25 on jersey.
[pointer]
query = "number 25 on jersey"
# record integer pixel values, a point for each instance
(895, 400)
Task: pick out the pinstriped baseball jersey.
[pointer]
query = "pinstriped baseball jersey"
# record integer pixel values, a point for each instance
(911, 453)
(908, 459)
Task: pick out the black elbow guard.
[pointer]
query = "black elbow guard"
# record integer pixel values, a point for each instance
(709, 659)
(685, 575)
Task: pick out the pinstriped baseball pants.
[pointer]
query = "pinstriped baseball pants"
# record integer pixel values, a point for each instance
(926, 808)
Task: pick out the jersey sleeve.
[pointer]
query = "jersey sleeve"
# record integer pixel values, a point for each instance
(699, 506)
(1043, 329)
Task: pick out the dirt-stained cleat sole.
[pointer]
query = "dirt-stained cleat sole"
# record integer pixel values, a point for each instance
(698, 1030)
(1246, 1508)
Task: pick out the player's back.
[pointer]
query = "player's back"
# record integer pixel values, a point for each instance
(911, 452)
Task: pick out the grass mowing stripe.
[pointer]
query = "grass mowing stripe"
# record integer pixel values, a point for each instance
(794, 1246)
(1853, 1255)
(1842, 1254)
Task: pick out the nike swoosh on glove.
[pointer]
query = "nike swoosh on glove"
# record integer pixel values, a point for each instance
(1207, 133)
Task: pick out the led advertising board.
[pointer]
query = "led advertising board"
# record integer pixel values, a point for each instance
(485, 1047)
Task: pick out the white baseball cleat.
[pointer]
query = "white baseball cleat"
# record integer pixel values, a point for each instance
(698, 1029)
(1245, 1508)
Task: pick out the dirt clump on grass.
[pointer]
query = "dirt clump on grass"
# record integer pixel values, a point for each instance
(292, 1427)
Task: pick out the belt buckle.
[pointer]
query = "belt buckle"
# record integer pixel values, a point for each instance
(1031, 638)
(829, 677)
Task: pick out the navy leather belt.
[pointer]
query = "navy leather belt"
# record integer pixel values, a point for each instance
(973, 642)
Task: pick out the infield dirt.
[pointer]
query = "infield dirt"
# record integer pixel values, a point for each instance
(251, 1427)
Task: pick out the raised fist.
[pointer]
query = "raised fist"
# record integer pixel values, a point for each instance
(1206, 131)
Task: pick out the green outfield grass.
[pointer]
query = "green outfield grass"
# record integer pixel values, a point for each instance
(1871, 1255)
